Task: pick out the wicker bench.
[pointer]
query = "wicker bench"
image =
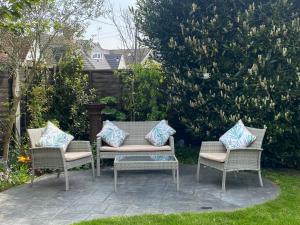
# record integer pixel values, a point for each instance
(135, 143)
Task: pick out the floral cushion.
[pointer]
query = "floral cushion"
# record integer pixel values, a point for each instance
(112, 135)
(54, 137)
(160, 134)
(237, 137)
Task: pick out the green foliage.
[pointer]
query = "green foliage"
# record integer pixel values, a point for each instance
(15, 175)
(143, 96)
(70, 95)
(228, 60)
(11, 10)
(38, 106)
(111, 112)
(63, 99)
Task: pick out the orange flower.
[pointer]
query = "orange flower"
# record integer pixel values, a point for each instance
(23, 159)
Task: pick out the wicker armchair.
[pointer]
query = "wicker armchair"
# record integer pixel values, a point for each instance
(214, 154)
(77, 154)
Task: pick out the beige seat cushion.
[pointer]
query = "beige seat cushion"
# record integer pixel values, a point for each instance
(136, 148)
(219, 157)
(70, 156)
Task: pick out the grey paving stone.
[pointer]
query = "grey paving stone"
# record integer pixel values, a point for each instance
(142, 192)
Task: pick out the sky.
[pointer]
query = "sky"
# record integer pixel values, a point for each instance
(103, 31)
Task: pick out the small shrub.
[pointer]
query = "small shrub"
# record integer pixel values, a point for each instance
(16, 174)
(111, 111)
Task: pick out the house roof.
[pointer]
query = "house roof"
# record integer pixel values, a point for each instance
(107, 61)
(141, 54)
(113, 60)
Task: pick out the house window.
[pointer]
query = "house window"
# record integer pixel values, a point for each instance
(97, 56)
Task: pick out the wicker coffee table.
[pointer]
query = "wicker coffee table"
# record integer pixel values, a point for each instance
(146, 162)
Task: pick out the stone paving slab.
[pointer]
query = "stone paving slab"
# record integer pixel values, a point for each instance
(141, 192)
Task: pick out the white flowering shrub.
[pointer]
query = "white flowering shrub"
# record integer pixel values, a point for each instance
(228, 60)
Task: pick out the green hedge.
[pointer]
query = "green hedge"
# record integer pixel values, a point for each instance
(226, 60)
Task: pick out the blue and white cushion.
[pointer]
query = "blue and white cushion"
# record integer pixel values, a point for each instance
(160, 134)
(237, 137)
(112, 135)
(54, 137)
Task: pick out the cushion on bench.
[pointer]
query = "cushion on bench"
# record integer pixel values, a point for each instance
(136, 148)
(219, 157)
(70, 156)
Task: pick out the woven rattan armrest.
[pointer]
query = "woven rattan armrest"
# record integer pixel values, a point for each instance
(246, 149)
(212, 147)
(47, 150)
(171, 143)
(47, 157)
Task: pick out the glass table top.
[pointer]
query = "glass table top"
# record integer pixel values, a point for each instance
(144, 158)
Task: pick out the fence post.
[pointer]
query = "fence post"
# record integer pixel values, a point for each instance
(95, 119)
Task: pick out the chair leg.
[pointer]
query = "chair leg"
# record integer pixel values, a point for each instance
(98, 165)
(260, 179)
(32, 177)
(224, 181)
(93, 169)
(174, 175)
(177, 177)
(198, 171)
(67, 179)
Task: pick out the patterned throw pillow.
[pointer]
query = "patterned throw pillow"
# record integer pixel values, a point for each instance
(160, 134)
(112, 135)
(237, 137)
(54, 137)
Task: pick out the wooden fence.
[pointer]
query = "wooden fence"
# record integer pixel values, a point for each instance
(5, 89)
(105, 83)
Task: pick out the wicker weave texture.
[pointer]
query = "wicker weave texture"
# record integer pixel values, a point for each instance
(248, 158)
(137, 131)
(54, 158)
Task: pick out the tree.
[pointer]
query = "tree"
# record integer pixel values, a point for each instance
(227, 60)
(51, 17)
(123, 21)
(143, 91)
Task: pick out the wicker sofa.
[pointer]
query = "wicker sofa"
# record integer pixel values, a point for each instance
(215, 155)
(134, 144)
(77, 154)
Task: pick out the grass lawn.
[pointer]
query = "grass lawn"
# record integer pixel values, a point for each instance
(285, 210)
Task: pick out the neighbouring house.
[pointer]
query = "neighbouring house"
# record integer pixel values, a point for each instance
(101, 65)
(142, 54)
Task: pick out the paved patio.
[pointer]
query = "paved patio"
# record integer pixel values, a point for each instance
(138, 193)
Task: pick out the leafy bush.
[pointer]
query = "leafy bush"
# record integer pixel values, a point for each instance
(62, 98)
(15, 175)
(143, 96)
(228, 59)
(111, 111)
